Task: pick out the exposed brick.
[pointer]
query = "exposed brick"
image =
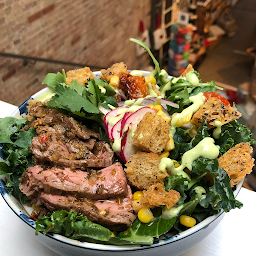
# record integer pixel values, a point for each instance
(16, 42)
(48, 9)
(35, 17)
(8, 75)
(75, 40)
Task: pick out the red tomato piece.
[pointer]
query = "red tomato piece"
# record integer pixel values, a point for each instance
(208, 95)
(43, 139)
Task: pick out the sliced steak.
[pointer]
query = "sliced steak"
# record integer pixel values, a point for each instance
(57, 153)
(115, 214)
(40, 115)
(106, 183)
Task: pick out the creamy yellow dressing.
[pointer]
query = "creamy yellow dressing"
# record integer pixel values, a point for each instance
(151, 91)
(205, 148)
(197, 101)
(172, 131)
(168, 214)
(117, 145)
(136, 73)
(217, 130)
(192, 78)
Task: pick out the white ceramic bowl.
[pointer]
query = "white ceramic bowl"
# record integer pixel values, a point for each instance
(173, 245)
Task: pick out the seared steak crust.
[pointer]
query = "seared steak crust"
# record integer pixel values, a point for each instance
(63, 141)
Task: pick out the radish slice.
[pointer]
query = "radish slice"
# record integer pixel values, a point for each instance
(134, 118)
(127, 148)
(116, 130)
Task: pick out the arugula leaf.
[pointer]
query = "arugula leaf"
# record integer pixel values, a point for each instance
(52, 80)
(220, 195)
(157, 68)
(71, 225)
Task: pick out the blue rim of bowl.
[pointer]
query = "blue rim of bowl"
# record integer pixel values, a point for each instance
(22, 109)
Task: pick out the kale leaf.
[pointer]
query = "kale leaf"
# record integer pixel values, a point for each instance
(71, 225)
(220, 195)
(16, 152)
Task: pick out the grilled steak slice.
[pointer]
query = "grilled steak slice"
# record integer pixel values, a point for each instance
(106, 183)
(40, 115)
(115, 214)
(58, 153)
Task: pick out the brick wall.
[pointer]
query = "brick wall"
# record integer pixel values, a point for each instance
(91, 32)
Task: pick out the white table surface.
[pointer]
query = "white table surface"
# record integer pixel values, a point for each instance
(235, 235)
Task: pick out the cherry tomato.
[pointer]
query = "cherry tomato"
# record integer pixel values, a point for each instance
(208, 95)
(43, 139)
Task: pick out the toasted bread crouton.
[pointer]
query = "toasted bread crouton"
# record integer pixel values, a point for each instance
(81, 75)
(214, 110)
(142, 170)
(237, 162)
(117, 69)
(152, 133)
(187, 70)
(156, 196)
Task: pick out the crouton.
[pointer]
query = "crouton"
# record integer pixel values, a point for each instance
(237, 162)
(214, 110)
(117, 69)
(156, 196)
(187, 70)
(143, 171)
(81, 75)
(152, 133)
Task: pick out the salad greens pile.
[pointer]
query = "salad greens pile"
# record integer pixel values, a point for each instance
(200, 196)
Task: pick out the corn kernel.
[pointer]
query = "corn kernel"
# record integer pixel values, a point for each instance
(165, 116)
(151, 106)
(112, 234)
(165, 154)
(150, 79)
(175, 165)
(169, 145)
(158, 108)
(179, 122)
(114, 81)
(41, 121)
(145, 215)
(137, 195)
(187, 221)
(188, 117)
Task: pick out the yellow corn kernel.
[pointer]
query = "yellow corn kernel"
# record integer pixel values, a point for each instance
(187, 221)
(137, 195)
(150, 79)
(165, 154)
(156, 107)
(112, 234)
(145, 215)
(179, 122)
(188, 117)
(114, 81)
(165, 116)
(176, 165)
(169, 145)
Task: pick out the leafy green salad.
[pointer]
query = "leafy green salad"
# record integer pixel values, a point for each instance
(200, 196)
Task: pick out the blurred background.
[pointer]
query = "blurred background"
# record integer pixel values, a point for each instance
(218, 37)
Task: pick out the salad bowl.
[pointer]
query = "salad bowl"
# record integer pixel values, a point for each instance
(171, 244)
